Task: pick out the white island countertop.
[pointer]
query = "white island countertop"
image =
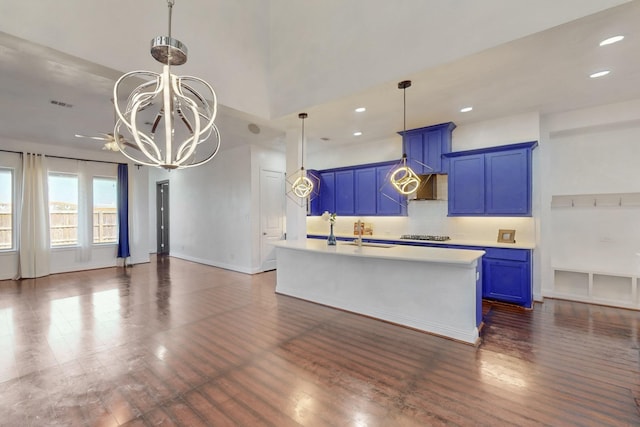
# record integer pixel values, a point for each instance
(390, 252)
(454, 241)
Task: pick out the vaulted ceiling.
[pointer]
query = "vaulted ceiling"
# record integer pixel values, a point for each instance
(270, 59)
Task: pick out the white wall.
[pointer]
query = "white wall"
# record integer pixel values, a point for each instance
(215, 208)
(590, 151)
(99, 256)
(352, 154)
(210, 211)
(261, 159)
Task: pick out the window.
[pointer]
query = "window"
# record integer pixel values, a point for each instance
(6, 209)
(105, 212)
(63, 209)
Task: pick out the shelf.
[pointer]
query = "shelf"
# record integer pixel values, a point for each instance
(612, 289)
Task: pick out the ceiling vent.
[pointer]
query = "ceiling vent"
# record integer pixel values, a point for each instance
(61, 104)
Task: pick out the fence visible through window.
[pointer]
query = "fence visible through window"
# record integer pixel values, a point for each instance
(105, 225)
(6, 230)
(64, 226)
(6, 209)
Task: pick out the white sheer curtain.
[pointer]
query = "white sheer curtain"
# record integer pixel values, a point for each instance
(85, 213)
(34, 219)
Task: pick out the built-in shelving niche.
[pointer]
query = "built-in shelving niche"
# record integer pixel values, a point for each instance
(595, 246)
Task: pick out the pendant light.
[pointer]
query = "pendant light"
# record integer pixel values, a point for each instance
(403, 178)
(303, 186)
(186, 101)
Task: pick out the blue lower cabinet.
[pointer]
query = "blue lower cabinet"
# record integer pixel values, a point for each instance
(507, 276)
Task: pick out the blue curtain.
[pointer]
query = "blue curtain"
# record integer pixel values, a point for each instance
(123, 211)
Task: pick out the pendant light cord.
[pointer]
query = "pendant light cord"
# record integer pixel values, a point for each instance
(404, 122)
(404, 85)
(302, 116)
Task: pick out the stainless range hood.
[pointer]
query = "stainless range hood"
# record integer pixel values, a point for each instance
(428, 189)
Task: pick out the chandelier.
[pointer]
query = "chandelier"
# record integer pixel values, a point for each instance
(403, 178)
(175, 134)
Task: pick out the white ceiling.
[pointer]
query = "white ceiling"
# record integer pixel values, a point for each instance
(544, 72)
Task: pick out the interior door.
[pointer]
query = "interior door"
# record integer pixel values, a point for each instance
(272, 212)
(162, 217)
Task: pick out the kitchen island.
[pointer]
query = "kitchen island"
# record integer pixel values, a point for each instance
(435, 290)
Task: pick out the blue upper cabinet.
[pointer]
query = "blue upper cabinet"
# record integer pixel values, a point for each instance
(508, 177)
(424, 147)
(327, 192)
(389, 201)
(358, 190)
(345, 192)
(467, 185)
(314, 203)
(365, 191)
(494, 181)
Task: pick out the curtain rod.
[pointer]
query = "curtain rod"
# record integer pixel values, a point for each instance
(66, 158)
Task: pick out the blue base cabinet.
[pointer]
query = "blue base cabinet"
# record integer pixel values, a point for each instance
(493, 181)
(507, 276)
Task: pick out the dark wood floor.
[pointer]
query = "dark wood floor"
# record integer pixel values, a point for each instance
(178, 343)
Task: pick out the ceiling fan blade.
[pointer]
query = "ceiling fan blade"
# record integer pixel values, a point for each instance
(99, 138)
(128, 144)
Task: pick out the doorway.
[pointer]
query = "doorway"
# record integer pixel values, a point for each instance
(162, 217)
(272, 212)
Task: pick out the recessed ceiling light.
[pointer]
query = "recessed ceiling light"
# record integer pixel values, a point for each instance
(466, 109)
(611, 40)
(599, 74)
(358, 133)
(360, 110)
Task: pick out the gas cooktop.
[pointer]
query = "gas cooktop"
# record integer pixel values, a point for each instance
(424, 237)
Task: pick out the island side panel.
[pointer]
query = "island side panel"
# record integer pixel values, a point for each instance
(434, 297)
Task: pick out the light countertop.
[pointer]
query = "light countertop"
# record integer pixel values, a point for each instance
(391, 252)
(460, 242)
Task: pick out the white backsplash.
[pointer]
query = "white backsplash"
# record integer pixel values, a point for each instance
(430, 217)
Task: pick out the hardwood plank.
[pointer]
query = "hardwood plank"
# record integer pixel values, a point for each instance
(178, 343)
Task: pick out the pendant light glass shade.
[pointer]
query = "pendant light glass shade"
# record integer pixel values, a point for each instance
(403, 178)
(185, 110)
